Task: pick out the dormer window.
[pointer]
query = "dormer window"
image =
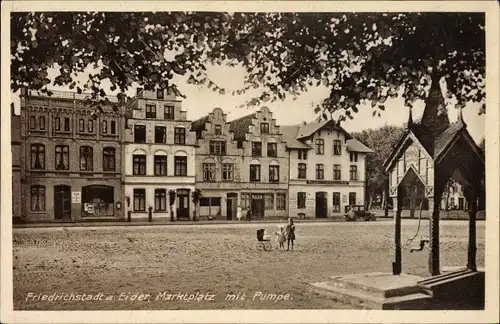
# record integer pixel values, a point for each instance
(264, 128)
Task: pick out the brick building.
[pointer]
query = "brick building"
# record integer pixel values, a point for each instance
(159, 157)
(17, 199)
(327, 169)
(71, 157)
(218, 166)
(264, 164)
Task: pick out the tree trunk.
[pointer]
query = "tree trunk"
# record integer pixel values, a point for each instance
(370, 199)
(384, 202)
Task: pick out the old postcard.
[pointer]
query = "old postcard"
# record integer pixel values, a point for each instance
(249, 162)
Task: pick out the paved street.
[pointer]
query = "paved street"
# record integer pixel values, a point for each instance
(208, 262)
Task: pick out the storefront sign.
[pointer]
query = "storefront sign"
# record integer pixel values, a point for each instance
(76, 197)
(326, 182)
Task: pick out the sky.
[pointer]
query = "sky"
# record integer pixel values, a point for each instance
(200, 101)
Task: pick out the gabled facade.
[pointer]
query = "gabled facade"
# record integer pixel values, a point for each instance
(70, 156)
(159, 157)
(264, 164)
(218, 166)
(327, 169)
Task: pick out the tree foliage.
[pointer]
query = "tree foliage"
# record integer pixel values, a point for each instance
(382, 141)
(361, 57)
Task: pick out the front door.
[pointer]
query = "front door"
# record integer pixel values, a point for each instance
(62, 202)
(321, 205)
(229, 208)
(183, 208)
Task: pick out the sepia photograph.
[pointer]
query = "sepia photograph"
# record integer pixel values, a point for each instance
(224, 156)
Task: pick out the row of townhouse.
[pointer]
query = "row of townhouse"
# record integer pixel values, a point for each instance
(79, 162)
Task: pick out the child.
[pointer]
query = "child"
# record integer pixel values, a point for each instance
(281, 237)
(290, 234)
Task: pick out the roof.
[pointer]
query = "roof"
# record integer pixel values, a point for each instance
(353, 145)
(311, 128)
(199, 124)
(290, 137)
(446, 137)
(240, 126)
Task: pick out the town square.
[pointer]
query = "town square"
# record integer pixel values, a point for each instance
(260, 160)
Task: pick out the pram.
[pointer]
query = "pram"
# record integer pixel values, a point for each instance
(263, 244)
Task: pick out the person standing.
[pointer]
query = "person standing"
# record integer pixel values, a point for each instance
(238, 213)
(290, 234)
(249, 214)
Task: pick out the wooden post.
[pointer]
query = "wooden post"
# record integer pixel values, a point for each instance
(397, 265)
(471, 255)
(434, 209)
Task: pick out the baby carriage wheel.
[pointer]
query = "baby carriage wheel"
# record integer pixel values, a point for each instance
(260, 246)
(268, 246)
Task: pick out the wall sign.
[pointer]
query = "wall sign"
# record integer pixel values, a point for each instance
(326, 182)
(76, 197)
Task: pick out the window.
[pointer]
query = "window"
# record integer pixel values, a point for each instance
(256, 149)
(37, 198)
(86, 155)
(353, 156)
(160, 134)
(320, 172)
(281, 201)
(320, 146)
(336, 172)
(302, 171)
(217, 147)
(108, 159)
(180, 135)
(269, 201)
(352, 198)
(227, 171)
(337, 147)
(255, 172)
(180, 165)
(32, 122)
(169, 112)
(104, 127)
(90, 126)
(139, 164)
(160, 165)
(336, 202)
(57, 124)
(41, 121)
(264, 128)
(302, 154)
(139, 200)
(218, 130)
(160, 199)
(150, 111)
(140, 133)
(113, 127)
(272, 149)
(62, 157)
(37, 156)
(159, 94)
(301, 200)
(81, 125)
(245, 201)
(353, 172)
(208, 171)
(66, 124)
(274, 173)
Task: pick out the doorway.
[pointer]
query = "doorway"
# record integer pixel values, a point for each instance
(183, 207)
(231, 200)
(62, 202)
(321, 205)
(257, 206)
